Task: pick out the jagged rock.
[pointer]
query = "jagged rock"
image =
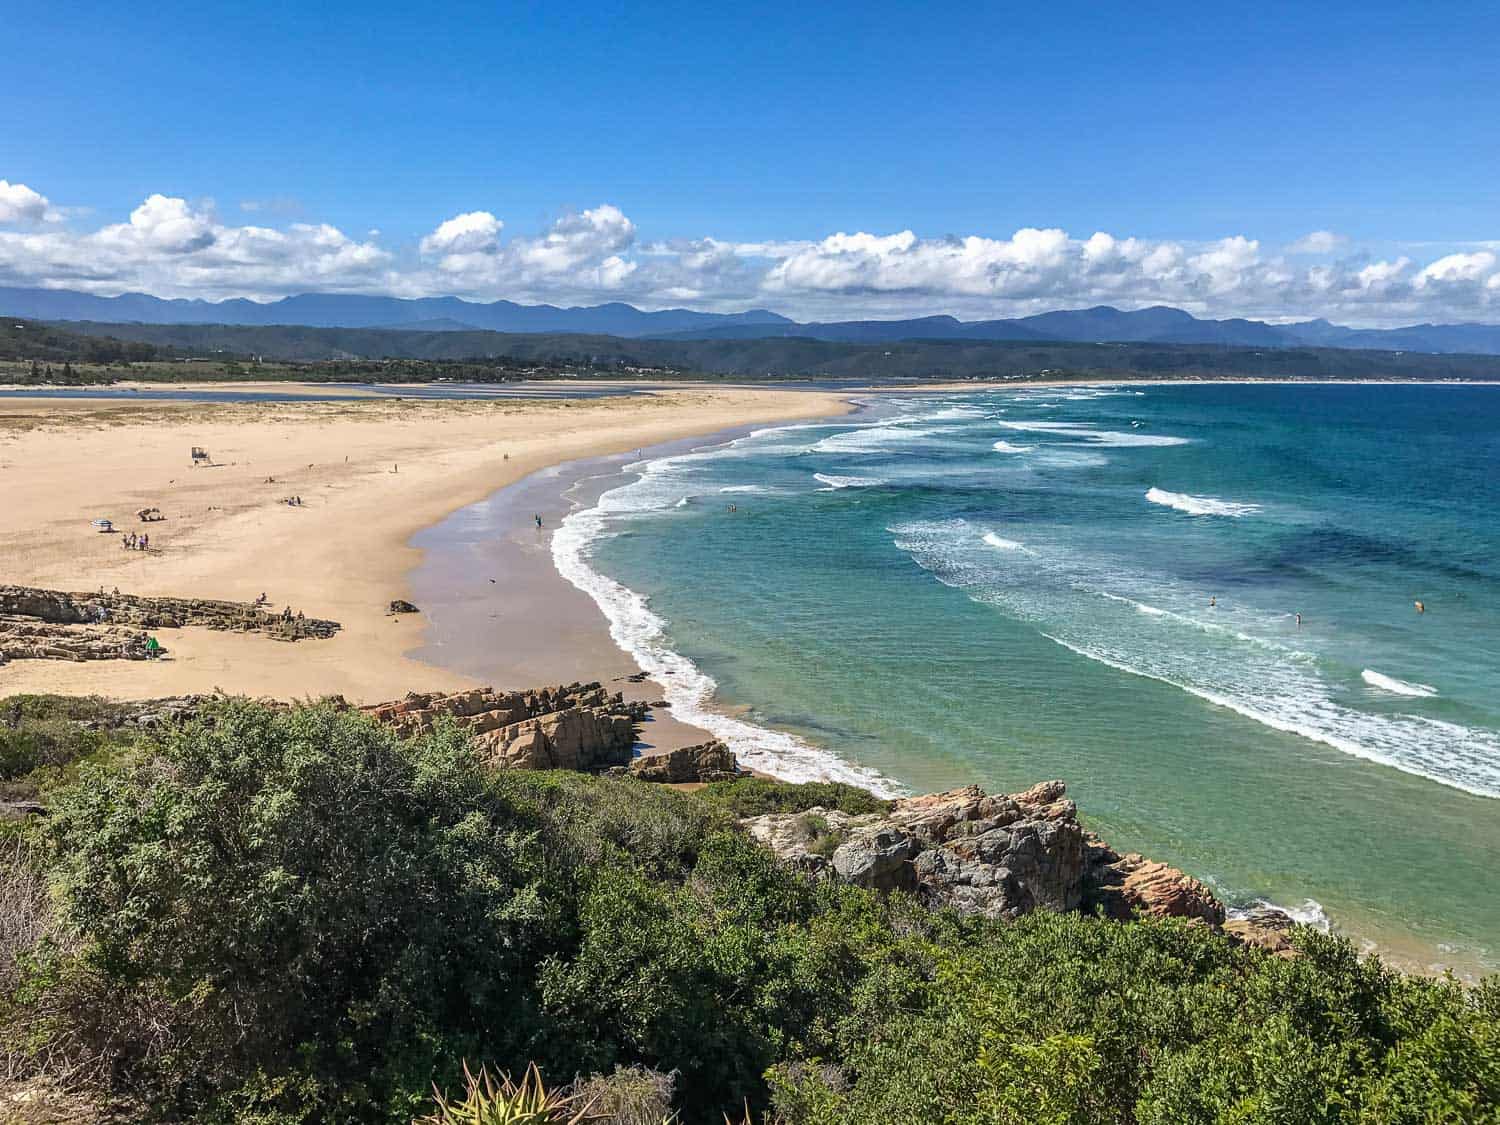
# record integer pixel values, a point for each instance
(1266, 927)
(572, 726)
(709, 761)
(400, 606)
(998, 856)
(1120, 886)
(53, 625)
(878, 857)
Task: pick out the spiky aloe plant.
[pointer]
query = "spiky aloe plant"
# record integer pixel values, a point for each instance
(488, 1102)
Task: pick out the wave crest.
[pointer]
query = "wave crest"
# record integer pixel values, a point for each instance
(1200, 505)
(1396, 687)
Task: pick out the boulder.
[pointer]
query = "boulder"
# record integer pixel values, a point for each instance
(398, 605)
(570, 726)
(998, 856)
(1266, 927)
(879, 857)
(706, 762)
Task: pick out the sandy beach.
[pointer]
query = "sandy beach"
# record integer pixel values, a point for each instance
(371, 474)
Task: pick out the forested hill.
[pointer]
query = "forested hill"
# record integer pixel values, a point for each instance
(328, 352)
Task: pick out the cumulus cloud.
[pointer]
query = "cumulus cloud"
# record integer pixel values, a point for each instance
(476, 232)
(20, 204)
(171, 247)
(1318, 242)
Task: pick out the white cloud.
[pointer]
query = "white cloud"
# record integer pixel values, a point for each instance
(1318, 242)
(171, 247)
(475, 232)
(20, 204)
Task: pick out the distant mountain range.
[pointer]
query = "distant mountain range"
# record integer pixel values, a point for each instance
(1158, 325)
(344, 310)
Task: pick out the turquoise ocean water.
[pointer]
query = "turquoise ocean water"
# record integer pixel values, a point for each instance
(1101, 585)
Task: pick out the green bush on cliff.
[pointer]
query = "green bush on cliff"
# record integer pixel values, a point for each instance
(41, 736)
(311, 915)
(756, 796)
(294, 916)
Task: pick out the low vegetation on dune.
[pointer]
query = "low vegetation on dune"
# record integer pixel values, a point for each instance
(293, 915)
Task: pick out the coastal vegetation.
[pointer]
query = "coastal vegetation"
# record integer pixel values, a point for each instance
(198, 352)
(295, 914)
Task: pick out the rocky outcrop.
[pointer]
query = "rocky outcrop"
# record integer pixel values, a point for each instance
(706, 762)
(399, 605)
(996, 856)
(53, 625)
(1266, 927)
(1120, 886)
(25, 638)
(571, 727)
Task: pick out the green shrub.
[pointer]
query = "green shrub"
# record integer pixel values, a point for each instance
(315, 915)
(269, 917)
(756, 796)
(44, 732)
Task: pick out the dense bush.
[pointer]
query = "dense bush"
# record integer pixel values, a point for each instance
(756, 796)
(42, 735)
(293, 916)
(315, 915)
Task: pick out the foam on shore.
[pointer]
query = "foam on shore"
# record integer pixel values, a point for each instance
(637, 630)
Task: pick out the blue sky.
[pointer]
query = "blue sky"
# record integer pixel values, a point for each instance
(1171, 124)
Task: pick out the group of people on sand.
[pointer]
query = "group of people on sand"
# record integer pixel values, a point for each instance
(134, 542)
(293, 501)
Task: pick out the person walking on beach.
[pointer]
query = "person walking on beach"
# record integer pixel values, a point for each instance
(539, 519)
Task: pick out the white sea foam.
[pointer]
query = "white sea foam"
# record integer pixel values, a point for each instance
(683, 502)
(1453, 755)
(1395, 686)
(1084, 432)
(873, 439)
(1001, 542)
(1044, 427)
(1007, 447)
(837, 482)
(1262, 678)
(1123, 439)
(1309, 913)
(642, 634)
(759, 488)
(1200, 505)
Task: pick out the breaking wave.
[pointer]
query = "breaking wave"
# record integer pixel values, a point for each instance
(836, 482)
(1200, 505)
(1395, 686)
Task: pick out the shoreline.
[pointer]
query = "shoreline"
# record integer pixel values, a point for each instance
(373, 474)
(565, 481)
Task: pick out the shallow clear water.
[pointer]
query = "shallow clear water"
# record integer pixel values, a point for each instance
(1101, 585)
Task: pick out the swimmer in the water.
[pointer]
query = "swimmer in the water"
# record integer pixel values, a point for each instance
(1420, 607)
(1299, 621)
(1212, 602)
